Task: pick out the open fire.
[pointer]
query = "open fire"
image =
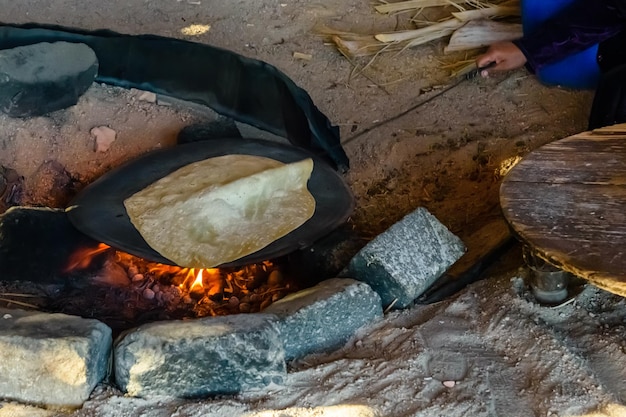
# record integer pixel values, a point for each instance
(187, 291)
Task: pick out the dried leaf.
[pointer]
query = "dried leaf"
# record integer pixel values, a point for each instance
(415, 4)
(422, 35)
(352, 48)
(487, 12)
(480, 33)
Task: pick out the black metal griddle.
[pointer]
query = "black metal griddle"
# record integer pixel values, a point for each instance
(99, 212)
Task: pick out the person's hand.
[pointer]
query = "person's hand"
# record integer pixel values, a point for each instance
(506, 56)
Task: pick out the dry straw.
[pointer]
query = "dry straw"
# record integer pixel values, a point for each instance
(469, 25)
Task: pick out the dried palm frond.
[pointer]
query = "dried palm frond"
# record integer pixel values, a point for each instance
(328, 32)
(354, 45)
(458, 68)
(422, 35)
(18, 303)
(510, 3)
(353, 48)
(480, 33)
(15, 294)
(351, 45)
(487, 12)
(415, 4)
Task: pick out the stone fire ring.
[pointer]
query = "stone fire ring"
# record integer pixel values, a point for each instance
(57, 359)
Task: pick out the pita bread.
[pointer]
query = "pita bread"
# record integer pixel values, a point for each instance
(221, 209)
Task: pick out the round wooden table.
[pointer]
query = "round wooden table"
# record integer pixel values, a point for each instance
(567, 201)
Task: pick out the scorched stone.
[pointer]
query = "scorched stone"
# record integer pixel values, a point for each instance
(325, 316)
(51, 359)
(213, 355)
(44, 77)
(401, 263)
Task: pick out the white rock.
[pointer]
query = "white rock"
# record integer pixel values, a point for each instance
(148, 96)
(105, 136)
(51, 359)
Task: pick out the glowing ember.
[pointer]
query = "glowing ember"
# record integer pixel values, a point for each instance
(195, 292)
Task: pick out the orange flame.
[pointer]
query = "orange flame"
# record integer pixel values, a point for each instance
(215, 290)
(209, 281)
(197, 283)
(83, 257)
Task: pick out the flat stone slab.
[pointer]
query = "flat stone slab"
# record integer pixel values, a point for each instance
(195, 358)
(44, 77)
(401, 263)
(325, 316)
(51, 359)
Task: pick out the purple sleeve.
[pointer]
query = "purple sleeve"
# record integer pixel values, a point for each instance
(582, 24)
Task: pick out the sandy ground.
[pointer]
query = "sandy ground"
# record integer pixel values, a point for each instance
(506, 355)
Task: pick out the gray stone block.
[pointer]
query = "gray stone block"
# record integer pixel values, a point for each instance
(401, 263)
(51, 359)
(325, 316)
(44, 77)
(194, 358)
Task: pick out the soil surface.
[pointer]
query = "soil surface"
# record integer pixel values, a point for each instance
(498, 351)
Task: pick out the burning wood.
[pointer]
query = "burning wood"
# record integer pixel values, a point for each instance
(191, 292)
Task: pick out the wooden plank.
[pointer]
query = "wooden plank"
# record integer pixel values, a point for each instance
(611, 130)
(593, 169)
(492, 234)
(565, 212)
(568, 201)
(600, 160)
(484, 244)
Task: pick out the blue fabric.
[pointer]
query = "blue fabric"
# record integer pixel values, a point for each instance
(561, 38)
(578, 71)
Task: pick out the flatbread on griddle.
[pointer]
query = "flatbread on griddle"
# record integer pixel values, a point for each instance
(221, 209)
